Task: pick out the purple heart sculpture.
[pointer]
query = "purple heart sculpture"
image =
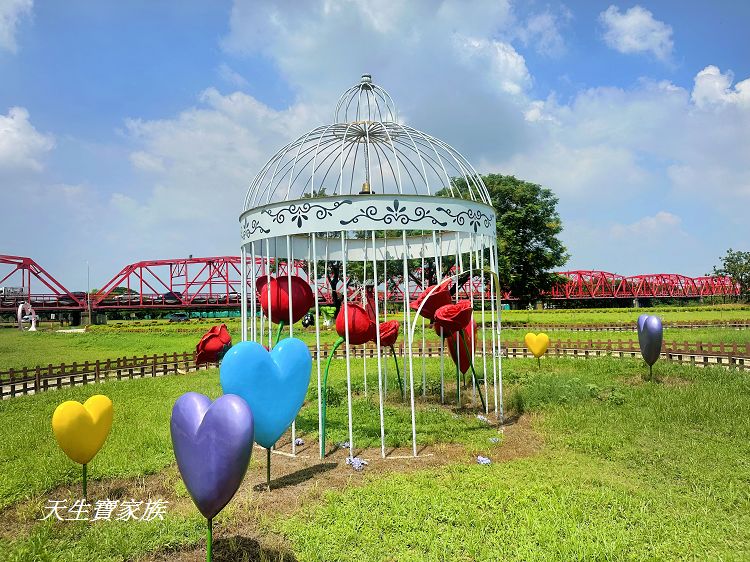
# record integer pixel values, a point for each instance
(650, 334)
(212, 443)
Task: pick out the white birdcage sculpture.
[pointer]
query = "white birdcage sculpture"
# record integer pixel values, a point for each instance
(356, 192)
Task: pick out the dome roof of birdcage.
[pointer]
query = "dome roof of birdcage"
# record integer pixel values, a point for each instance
(365, 151)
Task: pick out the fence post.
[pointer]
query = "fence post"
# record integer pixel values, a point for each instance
(86, 369)
(97, 371)
(12, 376)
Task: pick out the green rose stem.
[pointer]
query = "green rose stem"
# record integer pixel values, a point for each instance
(539, 362)
(84, 483)
(473, 372)
(278, 334)
(325, 392)
(209, 539)
(398, 373)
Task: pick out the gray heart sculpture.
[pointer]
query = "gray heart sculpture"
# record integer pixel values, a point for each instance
(650, 335)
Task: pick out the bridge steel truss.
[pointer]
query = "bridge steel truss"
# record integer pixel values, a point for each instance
(214, 282)
(39, 287)
(591, 284)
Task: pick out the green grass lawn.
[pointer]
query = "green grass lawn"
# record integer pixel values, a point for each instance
(629, 470)
(725, 313)
(28, 349)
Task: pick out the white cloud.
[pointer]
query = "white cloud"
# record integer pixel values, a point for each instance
(22, 147)
(636, 31)
(11, 13)
(609, 142)
(542, 31)
(651, 244)
(198, 165)
(146, 162)
(659, 223)
(425, 44)
(713, 88)
(230, 76)
(507, 69)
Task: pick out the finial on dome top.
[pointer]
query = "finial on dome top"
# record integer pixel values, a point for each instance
(365, 101)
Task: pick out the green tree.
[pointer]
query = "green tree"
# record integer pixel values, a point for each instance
(528, 226)
(736, 264)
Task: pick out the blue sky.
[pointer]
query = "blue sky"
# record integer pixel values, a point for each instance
(130, 131)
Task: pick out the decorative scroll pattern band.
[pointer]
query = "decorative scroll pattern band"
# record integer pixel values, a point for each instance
(395, 214)
(300, 213)
(474, 216)
(249, 230)
(375, 212)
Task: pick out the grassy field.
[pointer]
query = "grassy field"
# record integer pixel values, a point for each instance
(18, 350)
(628, 470)
(620, 315)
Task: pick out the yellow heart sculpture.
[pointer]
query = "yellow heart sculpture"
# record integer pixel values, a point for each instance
(81, 429)
(537, 343)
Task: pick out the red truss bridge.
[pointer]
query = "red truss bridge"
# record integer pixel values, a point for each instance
(215, 283)
(604, 285)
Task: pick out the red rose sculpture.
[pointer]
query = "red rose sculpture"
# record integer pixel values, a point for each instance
(440, 297)
(461, 358)
(452, 317)
(213, 345)
(361, 328)
(277, 303)
(388, 333)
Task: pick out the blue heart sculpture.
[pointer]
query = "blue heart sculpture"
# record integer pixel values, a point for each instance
(650, 335)
(273, 384)
(212, 443)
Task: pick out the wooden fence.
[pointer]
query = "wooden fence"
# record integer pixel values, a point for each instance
(17, 382)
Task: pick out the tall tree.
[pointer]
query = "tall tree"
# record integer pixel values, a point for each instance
(528, 226)
(736, 264)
